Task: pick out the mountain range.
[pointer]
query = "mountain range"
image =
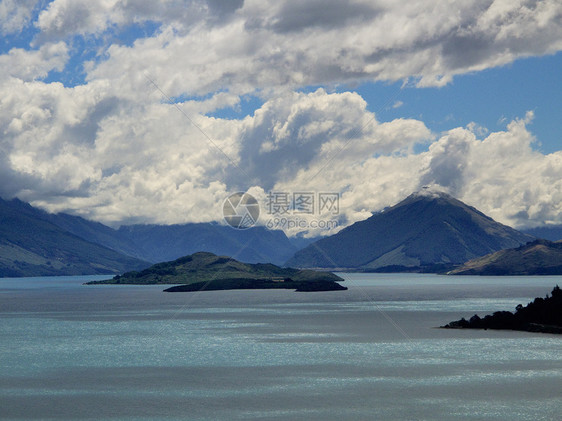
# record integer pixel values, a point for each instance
(427, 231)
(36, 243)
(158, 243)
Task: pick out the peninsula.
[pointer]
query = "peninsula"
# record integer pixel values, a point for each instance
(541, 315)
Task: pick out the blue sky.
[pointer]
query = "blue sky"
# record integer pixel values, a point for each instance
(489, 98)
(366, 98)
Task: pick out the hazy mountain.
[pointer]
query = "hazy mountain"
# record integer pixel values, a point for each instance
(96, 232)
(423, 232)
(30, 245)
(158, 243)
(540, 257)
(552, 233)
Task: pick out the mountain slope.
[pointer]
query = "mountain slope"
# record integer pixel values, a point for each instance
(33, 246)
(540, 257)
(96, 232)
(425, 229)
(157, 243)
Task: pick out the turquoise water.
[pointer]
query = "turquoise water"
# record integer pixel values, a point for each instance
(69, 351)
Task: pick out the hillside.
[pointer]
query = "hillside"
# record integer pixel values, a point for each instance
(540, 257)
(30, 245)
(427, 231)
(221, 272)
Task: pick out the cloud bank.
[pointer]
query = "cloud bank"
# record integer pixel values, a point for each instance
(113, 148)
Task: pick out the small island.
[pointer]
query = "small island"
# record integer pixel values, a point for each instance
(541, 315)
(209, 272)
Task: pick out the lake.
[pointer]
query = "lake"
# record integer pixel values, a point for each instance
(69, 351)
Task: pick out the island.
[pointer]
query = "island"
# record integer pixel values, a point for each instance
(207, 271)
(541, 315)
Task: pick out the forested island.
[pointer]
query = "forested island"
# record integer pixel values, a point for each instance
(541, 315)
(207, 271)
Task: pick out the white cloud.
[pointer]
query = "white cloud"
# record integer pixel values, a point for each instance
(115, 151)
(15, 15)
(29, 65)
(85, 150)
(288, 44)
(66, 18)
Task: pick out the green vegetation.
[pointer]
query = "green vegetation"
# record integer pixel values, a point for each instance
(222, 272)
(540, 315)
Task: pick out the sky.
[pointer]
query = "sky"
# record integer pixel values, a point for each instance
(126, 111)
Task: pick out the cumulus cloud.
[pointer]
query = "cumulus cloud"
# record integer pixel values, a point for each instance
(500, 174)
(66, 18)
(29, 65)
(114, 149)
(447, 161)
(85, 150)
(72, 17)
(15, 15)
(288, 44)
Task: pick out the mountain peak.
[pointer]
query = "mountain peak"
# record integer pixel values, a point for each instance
(429, 228)
(432, 192)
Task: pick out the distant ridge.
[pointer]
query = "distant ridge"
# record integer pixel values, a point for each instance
(146, 243)
(547, 232)
(158, 243)
(428, 231)
(539, 257)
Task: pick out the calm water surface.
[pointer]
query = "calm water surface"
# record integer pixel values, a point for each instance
(69, 351)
